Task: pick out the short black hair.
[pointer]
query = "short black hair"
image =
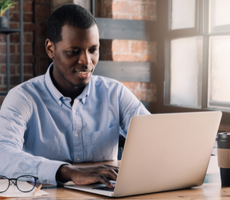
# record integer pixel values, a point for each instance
(69, 14)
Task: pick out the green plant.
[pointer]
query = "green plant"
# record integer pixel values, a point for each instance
(5, 5)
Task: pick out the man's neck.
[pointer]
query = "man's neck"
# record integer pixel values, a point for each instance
(68, 91)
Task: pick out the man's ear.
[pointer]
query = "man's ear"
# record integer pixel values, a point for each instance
(49, 48)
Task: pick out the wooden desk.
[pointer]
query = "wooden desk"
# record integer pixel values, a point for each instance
(211, 190)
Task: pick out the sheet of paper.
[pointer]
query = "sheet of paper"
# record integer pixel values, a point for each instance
(14, 192)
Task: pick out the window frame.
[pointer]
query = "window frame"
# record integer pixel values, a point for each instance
(165, 35)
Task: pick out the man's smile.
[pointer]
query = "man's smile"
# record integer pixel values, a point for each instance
(84, 73)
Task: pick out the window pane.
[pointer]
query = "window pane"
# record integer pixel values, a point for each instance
(219, 67)
(186, 59)
(220, 15)
(183, 14)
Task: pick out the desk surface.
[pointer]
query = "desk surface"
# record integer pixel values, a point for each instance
(211, 189)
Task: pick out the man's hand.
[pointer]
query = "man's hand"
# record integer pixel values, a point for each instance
(87, 175)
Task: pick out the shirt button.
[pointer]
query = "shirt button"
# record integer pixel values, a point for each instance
(76, 135)
(78, 159)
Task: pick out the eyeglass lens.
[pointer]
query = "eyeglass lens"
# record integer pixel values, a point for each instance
(26, 183)
(23, 183)
(4, 183)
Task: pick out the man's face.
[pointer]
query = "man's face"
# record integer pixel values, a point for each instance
(75, 56)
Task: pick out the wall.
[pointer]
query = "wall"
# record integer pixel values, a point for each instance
(28, 36)
(84, 3)
(130, 50)
(42, 11)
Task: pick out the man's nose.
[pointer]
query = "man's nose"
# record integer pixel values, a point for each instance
(85, 58)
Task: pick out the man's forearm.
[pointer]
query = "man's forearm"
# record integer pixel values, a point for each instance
(63, 174)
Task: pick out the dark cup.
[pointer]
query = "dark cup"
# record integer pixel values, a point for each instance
(223, 154)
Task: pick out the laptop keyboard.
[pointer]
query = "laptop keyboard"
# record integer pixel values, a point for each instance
(104, 188)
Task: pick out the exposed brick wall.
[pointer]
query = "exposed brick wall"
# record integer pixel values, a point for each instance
(28, 37)
(130, 50)
(42, 13)
(123, 9)
(143, 91)
(36, 61)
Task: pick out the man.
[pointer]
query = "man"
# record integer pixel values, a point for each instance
(67, 115)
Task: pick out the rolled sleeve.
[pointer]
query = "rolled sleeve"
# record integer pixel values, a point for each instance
(48, 170)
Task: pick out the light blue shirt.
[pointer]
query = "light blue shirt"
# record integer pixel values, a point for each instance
(40, 130)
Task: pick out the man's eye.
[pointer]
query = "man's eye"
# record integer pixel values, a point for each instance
(72, 53)
(92, 50)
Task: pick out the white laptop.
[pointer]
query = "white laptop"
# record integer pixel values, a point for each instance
(163, 152)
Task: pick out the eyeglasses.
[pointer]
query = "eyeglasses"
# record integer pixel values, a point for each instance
(25, 183)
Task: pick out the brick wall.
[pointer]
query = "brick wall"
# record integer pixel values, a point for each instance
(42, 9)
(35, 14)
(130, 50)
(28, 36)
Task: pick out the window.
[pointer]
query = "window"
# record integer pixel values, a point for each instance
(194, 55)
(182, 8)
(185, 62)
(219, 72)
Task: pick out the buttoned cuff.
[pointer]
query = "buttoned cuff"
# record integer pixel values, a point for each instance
(47, 171)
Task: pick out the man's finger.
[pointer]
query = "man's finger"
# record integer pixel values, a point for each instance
(112, 174)
(110, 167)
(101, 178)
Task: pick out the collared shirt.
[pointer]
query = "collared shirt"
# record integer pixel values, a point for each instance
(40, 130)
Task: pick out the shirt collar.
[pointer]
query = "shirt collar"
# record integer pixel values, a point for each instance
(57, 95)
(85, 93)
(50, 86)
